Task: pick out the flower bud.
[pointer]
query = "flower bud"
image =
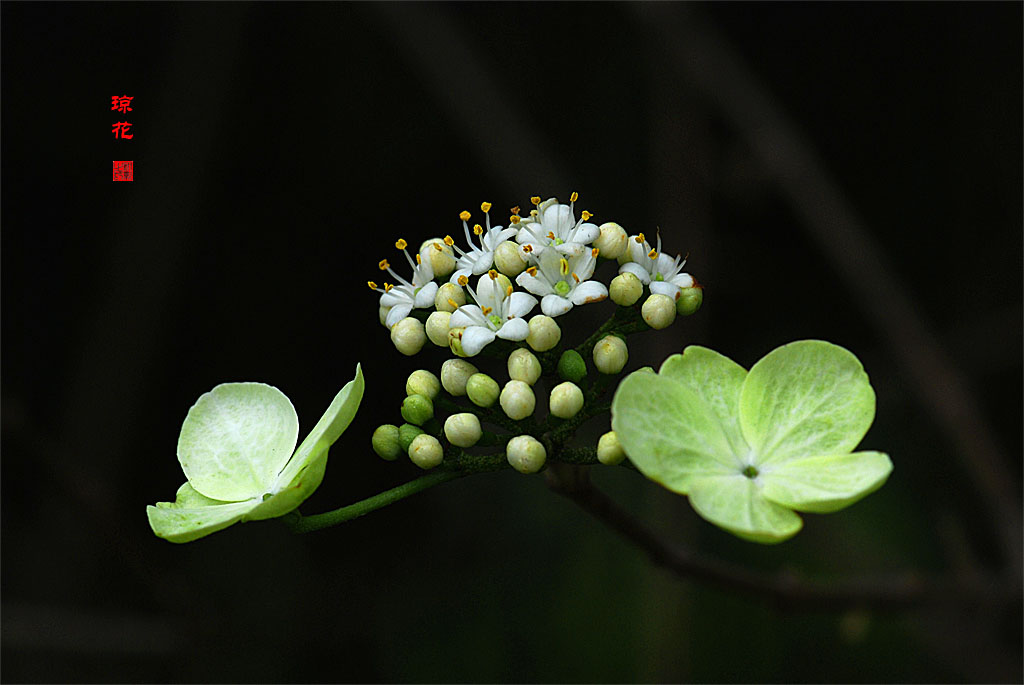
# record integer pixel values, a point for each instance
(625, 289)
(609, 451)
(526, 454)
(408, 336)
(689, 300)
(448, 293)
(566, 400)
(612, 241)
(425, 451)
(517, 400)
(483, 390)
(544, 333)
(571, 366)
(659, 311)
(437, 328)
(455, 341)
(442, 260)
(385, 442)
(454, 375)
(523, 366)
(508, 257)
(417, 409)
(610, 354)
(422, 382)
(382, 312)
(462, 430)
(406, 434)
(503, 282)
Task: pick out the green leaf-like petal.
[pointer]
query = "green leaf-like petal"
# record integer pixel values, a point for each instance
(805, 398)
(669, 432)
(193, 515)
(826, 483)
(735, 503)
(236, 439)
(305, 483)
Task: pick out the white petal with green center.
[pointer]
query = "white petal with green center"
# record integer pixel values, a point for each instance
(827, 483)
(236, 439)
(193, 515)
(736, 504)
(805, 398)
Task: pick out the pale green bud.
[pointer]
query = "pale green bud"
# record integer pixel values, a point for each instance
(437, 328)
(382, 312)
(508, 258)
(462, 430)
(610, 354)
(408, 336)
(455, 341)
(406, 434)
(517, 400)
(422, 382)
(571, 366)
(526, 454)
(625, 289)
(659, 311)
(544, 333)
(448, 294)
(483, 390)
(454, 375)
(689, 300)
(385, 442)
(442, 259)
(609, 451)
(523, 366)
(566, 400)
(425, 451)
(417, 409)
(612, 241)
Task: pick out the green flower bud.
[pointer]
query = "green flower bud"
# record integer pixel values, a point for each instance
(517, 400)
(417, 409)
(508, 257)
(454, 375)
(437, 328)
(659, 311)
(689, 300)
(442, 259)
(646, 369)
(523, 366)
(462, 430)
(609, 451)
(382, 312)
(612, 241)
(406, 433)
(526, 454)
(566, 400)
(446, 295)
(544, 333)
(455, 341)
(422, 382)
(483, 390)
(625, 289)
(610, 354)
(571, 366)
(425, 451)
(408, 336)
(385, 442)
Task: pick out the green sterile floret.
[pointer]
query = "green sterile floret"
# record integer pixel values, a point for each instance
(526, 454)
(482, 390)
(406, 434)
(610, 354)
(425, 451)
(517, 400)
(417, 409)
(625, 289)
(455, 374)
(386, 443)
(544, 333)
(609, 449)
(408, 336)
(437, 328)
(463, 430)
(566, 400)
(659, 311)
(422, 382)
(524, 366)
(571, 366)
(689, 300)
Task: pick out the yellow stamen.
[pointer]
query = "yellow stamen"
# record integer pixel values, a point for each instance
(508, 291)
(563, 266)
(577, 278)
(532, 271)
(533, 212)
(513, 219)
(373, 286)
(437, 246)
(401, 244)
(586, 215)
(493, 274)
(388, 287)
(485, 206)
(527, 248)
(515, 210)
(383, 265)
(453, 303)
(463, 281)
(640, 238)
(464, 215)
(595, 252)
(551, 235)
(418, 259)
(535, 199)
(478, 229)
(487, 310)
(653, 254)
(448, 241)
(575, 196)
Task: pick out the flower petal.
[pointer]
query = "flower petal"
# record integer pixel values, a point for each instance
(534, 284)
(683, 280)
(397, 313)
(736, 504)
(665, 288)
(589, 291)
(521, 304)
(192, 515)
(482, 261)
(513, 329)
(425, 296)
(475, 338)
(467, 272)
(467, 315)
(636, 270)
(554, 305)
(586, 233)
(824, 484)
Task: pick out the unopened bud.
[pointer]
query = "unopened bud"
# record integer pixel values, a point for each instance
(417, 409)
(437, 328)
(462, 430)
(408, 336)
(455, 341)
(454, 375)
(612, 241)
(382, 312)
(526, 454)
(425, 451)
(422, 382)
(406, 434)
(610, 354)
(625, 289)
(442, 260)
(385, 442)
(483, 390)
(571, 366)
(609, 451)
(508, 257)
(689, 300)
(448, 293)
(523, 366)
(544, 333)
(659, 311)
(566, 400)
(517, 400)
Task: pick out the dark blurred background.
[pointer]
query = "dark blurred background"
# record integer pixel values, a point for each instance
(835, 171)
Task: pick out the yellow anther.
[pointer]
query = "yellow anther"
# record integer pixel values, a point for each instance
(653, 254)
(464, 215)
(487, 310)
(595, 252)
(527, 248)
(383, 264)
(640, 238)
(508, 291)
(463, 281)
(437, 246)
(388, 287)
(535, 199)
(448, 241)
(532, 271)
(563, 266)
(515, 210)
(514, 219)
(533, 212)
(575, 277)
(453, 303)
(493, 274)
(586, 215)
(401, 244)
(373, 286)
(551, 235)
(478, 229)
(419, 260)
(485, 207)
(575, 196)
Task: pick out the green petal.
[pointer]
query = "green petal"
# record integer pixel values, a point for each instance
(826, 483)
(735, 503)
(669, 432)
(236, 439)
(308, 480)
(805, 398)
(718, 381)
(193, 515)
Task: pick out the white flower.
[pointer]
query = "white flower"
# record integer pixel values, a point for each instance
(562, 281)
(498, 313)
(655, 268)
(403, 297)
(555, 225)
(478, 259)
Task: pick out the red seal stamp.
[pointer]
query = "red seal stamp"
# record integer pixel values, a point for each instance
(124, 171)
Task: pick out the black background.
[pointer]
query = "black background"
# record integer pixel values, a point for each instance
(280, 150)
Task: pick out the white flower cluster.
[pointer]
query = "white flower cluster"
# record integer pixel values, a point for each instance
(553, 258)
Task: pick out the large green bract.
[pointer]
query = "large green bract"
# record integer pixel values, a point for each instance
(236, 449)
(750, 448)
